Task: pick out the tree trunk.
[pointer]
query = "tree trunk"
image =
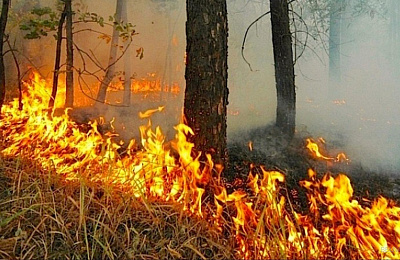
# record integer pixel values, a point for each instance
(3, 23)
(284, 68)
(58, 59)
(13, 50)
(335, 32)
(127, 61)
(110, 71)
(394, 34)
(69, 92)
(206, 95)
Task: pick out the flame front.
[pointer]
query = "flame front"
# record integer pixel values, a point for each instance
(261, 221)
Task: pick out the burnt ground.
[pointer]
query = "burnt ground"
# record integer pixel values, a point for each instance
(272, 150)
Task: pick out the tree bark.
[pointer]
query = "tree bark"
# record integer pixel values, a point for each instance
(58, 59)
(3, 23)
(284, 68)
(206, 95)
(69, 92)
(110, 71)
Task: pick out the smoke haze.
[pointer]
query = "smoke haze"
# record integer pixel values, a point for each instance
(363, 114)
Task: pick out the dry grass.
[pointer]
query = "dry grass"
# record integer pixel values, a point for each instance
(43, 217)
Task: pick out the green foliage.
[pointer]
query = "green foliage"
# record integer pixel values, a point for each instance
(126, 30)
(45, 21)
(92, 17)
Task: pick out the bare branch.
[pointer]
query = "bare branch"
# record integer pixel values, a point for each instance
(7, 38)
(245, 37)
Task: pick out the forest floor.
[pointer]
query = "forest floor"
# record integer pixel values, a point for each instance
(271, 149)
(42, 217)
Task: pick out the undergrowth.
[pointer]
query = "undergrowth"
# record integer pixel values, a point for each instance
(44, 217)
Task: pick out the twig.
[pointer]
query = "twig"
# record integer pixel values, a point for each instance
(245, 36)
(18, 72)
(92, 98)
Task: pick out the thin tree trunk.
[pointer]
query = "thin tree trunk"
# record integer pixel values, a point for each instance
(20, 106)
(69, 93)
(394, 32)
(284, 68)
(3, 23)
(166, 78)
(58, 59)
(101, 95)
(206, 95)
(127, 61)
(335, 32)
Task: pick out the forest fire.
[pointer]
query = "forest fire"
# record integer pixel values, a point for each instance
(152, 84)
(147, 88)
(261, 218)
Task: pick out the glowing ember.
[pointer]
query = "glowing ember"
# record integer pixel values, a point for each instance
(263, 224)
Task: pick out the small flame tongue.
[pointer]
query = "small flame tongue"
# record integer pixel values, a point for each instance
(315, 151)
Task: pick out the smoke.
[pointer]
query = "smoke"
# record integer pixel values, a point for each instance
(161, 33)
(361, 113)
(361, 110)
(252, 94)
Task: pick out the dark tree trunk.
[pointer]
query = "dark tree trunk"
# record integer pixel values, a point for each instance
(335, 32)
(284, 68)
(110, 71)
(127, 61)
(3, 23)
(20, 106)
(69, 92)
(206, 95)
(58, 59)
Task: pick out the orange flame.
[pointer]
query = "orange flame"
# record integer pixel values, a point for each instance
(264, 225)
(250, 144)
(314, 149)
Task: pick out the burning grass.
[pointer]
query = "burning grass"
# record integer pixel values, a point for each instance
(43, 217)
(73, 194)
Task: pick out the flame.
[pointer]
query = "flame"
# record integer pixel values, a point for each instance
(250, 144)
(314, 149)
(149, 88)
(57, 143)
(261, 220)
(152, 83)
(150, 112)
